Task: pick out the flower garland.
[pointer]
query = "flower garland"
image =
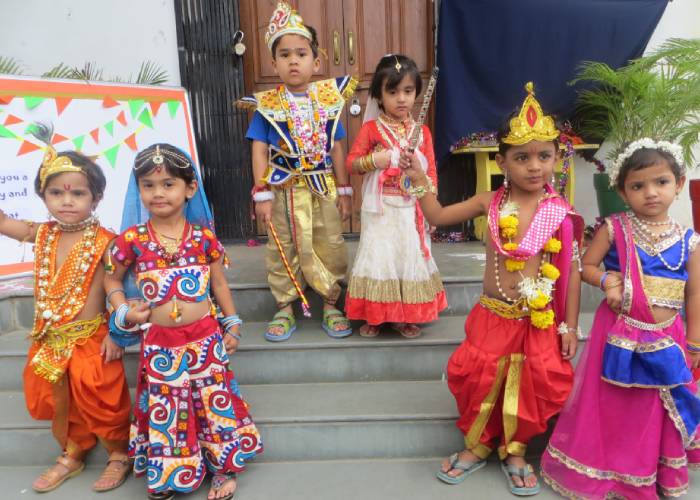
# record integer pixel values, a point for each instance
(565, 163)
(308, 132)
(536, 292)
(645, 142)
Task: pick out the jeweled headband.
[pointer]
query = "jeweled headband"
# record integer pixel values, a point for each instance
(158, 155)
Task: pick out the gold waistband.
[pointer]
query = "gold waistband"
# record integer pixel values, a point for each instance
(506, 310)
(51, 360)
(72, 333)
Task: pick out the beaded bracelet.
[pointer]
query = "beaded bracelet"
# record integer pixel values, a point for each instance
(420, 191)
(692, 346)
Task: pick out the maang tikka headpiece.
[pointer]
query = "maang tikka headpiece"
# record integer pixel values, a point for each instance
(157, 156)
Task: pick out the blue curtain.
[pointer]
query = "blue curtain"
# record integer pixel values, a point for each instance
(488, 49)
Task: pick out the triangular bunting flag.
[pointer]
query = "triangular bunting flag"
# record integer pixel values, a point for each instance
(27, 147)
(78, 142)
(95, 133)
(111, 155)
(11, 120)
(131, 142)
(6, 99)
(61, 103)
(109, 127)
(33, 102)
(109, 102)
(121, 118)
(155, 106)
(58, 138)
(135, 106)
(6, 132)
(173, 106)
(145, 118)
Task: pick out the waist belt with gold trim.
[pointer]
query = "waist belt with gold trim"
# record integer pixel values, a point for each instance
(51, 360)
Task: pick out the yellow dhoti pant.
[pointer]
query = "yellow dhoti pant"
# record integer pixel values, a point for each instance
(310, 231)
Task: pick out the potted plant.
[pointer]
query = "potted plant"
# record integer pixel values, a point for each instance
(657, 96)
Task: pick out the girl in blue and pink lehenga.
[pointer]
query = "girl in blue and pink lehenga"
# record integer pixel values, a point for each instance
(629, 427)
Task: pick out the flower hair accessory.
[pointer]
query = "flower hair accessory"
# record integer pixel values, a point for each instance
(285, 21)
(645, 142)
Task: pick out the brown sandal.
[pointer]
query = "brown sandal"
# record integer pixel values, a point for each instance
(114, 472)
(407, 330)
(54, 478)
(369, 331)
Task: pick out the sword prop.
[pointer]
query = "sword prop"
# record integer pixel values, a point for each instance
(405, 182)
(304, 303)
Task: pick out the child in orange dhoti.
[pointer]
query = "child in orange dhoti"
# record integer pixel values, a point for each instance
(512, 372)
(74, 375)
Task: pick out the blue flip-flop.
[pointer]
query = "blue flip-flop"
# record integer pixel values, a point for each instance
(285, 320)
(330, 318)
(522, 472)
(467, 468)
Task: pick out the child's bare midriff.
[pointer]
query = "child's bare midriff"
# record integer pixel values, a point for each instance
(191, 312)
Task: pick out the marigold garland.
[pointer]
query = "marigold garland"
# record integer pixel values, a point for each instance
(537, 292)
(553, 245)
(513, 265)
(542, 319)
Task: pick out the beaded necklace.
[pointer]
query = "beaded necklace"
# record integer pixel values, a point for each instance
(651, 241)
(60, 291)
(308, 132)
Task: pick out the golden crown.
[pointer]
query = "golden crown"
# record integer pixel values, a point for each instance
(54, 164)
(284, 21)
(531, 124)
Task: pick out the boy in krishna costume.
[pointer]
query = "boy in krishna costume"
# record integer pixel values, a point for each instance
(301, 183)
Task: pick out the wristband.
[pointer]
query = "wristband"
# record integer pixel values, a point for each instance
(344, 190)
(261, 196)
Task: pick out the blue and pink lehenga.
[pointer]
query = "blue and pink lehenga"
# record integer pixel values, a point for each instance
(629, 427)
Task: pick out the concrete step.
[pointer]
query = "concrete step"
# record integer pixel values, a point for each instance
(309, 480)
(308, 356)
(461, 266)
(297, 421)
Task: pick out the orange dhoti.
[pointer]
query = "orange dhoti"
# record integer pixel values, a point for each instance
(508, 379)
(90, 402)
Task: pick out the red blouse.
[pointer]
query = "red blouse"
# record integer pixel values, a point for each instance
(160, 276)
(370, 140)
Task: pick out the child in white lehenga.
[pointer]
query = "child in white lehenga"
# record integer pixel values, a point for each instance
(394, 278)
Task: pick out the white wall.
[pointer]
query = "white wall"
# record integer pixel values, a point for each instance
(680, 20)
(115, 34)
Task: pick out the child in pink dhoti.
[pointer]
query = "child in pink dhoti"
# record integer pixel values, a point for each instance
(629, 427)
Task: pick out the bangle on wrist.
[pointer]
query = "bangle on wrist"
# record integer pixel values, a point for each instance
(262, 196)
(120, 315)
(116, 290)
(603, 277)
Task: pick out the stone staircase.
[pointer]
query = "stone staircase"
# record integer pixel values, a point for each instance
(349, 418)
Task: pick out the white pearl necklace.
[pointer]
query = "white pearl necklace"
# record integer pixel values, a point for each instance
(651, 238)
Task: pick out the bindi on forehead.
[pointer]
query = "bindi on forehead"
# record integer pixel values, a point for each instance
(66, 187)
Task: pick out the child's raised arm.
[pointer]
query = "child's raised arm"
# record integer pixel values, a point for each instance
(17, 229)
